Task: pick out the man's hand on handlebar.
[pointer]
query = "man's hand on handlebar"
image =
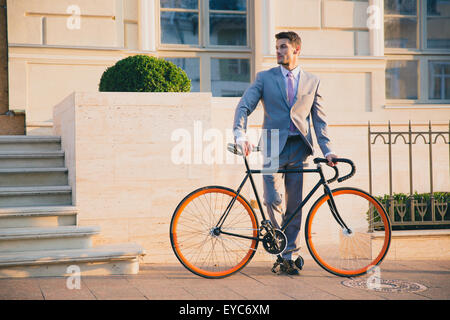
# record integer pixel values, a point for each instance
(330, 158)
(246, 146)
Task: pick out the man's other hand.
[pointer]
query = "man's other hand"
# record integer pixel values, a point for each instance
(330, 158)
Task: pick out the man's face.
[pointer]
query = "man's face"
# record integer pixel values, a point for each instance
(286, 53)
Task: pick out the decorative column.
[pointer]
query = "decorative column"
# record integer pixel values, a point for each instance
(147, 25)
(269, 27)
(375, 23)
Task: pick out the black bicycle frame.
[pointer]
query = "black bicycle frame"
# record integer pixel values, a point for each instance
(248, 175)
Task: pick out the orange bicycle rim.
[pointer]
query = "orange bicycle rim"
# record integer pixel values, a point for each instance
(206, 273)
(386, 234)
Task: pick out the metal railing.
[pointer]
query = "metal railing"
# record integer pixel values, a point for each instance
(428, 210)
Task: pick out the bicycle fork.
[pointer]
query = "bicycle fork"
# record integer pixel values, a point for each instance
(334, 211)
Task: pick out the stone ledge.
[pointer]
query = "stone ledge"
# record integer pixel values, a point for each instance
(32, 170)
(38, 216)
(103, 260)
(100, 253)
(5, 191)
(37, 211)
(13, 139)
(417, 245)
(415, 233)
(30, 154)
(41, 233)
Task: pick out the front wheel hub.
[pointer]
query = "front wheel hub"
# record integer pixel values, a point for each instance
(215, 232)
(347, 232)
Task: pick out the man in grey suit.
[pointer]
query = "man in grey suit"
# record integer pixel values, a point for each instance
(291, 99)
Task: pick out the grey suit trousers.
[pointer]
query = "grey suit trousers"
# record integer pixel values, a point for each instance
(292, 156)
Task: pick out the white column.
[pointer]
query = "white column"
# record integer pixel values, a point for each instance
(375, 23)
(147, 25)
(269, 27)
(119, 24)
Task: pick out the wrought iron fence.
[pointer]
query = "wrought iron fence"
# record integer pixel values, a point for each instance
(413, 210)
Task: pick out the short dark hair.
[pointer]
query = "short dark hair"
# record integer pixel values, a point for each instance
(293, 37)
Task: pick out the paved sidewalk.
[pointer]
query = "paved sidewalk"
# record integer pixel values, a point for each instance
(400, 280)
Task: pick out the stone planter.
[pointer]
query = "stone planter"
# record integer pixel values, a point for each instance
(118, 153)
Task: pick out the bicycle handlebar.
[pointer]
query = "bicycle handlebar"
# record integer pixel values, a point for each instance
(337, 160)
(237, 149)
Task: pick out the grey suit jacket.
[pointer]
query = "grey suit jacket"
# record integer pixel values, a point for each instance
(270, 88)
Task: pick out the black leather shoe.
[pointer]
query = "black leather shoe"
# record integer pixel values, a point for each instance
(299, 262)
(287, 267)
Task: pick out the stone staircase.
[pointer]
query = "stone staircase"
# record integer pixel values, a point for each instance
(39, 233)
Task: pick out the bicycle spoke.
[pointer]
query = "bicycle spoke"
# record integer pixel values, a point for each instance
(205, 250)
(347, 252)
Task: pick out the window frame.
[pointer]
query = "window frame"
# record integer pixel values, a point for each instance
(422, 54)
(207, 52)
(203, 29)
(446, 76)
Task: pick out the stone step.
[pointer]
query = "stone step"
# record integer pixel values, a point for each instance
(102, 260)
(29, 143)
(53, 238)
(21, 177)
(45, 216)
(35, 196)
(44, 159)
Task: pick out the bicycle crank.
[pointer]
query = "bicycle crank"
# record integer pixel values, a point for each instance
(275, 242)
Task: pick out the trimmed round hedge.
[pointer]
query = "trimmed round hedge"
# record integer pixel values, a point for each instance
(142, 73)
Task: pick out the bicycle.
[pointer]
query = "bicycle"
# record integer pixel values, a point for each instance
(214, 231)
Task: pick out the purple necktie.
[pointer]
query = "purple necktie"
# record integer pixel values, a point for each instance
(291, 93)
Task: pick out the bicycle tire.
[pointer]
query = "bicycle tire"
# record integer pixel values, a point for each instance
(193, 242)
(343, 253)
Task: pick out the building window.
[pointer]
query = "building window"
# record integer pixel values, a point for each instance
(229, 77)
(212, 39)
(400, 23)
(439, 77)
(179, 21)
(401, 79)
(417, 47)
(438, 24)
(228, 22)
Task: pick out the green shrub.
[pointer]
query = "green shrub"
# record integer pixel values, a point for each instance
(142, 73)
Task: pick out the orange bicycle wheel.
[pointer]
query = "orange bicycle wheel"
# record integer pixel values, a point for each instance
(197, 243)
(353, 251)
